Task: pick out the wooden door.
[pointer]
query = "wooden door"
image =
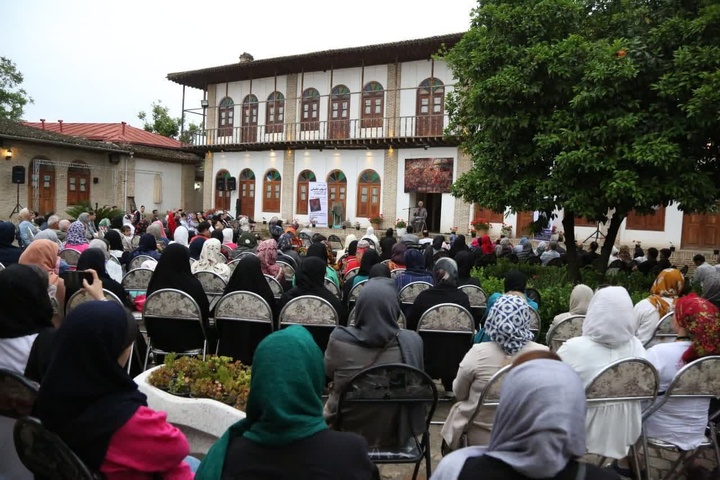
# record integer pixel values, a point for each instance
(337, 194)
(247, 193)
(249, 119)
(271, 191)
(45, 183)
(339, 121)
(430, 108)
(222, 194)
(522, 223)
(78, 184)
(701, 231)
(368, 198)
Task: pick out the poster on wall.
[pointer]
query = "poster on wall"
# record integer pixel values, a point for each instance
(428, 175)
(317, 203)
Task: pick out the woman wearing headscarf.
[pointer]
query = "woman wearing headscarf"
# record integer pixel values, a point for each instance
(248, 277)
(414, 270)
(209, 260)
(375, 339)
(579, 300)
(526, 252)
(91, 403)
(286, 252)
(504, 248)
(349, 257)
(387, 243)
(515, 284)
(486, 245)
(434, 250)
(665, 291)
(173, 271)
(181, 236)
(146, 246)
(9, 253)
(115, 246)
(94, 258)
(310, 280)
(711, 288)
(113, 269)
(44, 254)
(608, 335)
(319, 250)
(228, 238)
(104, 225)
(76, 237)
(397, 257)
(284, 432)
(157, 231)
(48, 234)
(370, 235)
(267, 253)
(539, 431)
(458, 246)
(127, 221)
(195, 247)
(369, 259)
(682, 422)
(141, 227)
(88, 227)
(465, 262)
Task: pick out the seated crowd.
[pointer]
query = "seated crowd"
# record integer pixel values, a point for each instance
(540, 429)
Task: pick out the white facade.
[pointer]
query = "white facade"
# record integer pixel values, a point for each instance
(146, 173)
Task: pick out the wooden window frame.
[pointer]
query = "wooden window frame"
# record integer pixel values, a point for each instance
(268, 205)
(430, 124)
(311, 102)
(376, 98)
(76, 173)
(275, 113)
(487, 214)
(226, 117)
(368, 208)
(654, 222)
(304, 179)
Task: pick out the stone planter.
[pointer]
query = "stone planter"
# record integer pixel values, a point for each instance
(202, 420)
(401, 231)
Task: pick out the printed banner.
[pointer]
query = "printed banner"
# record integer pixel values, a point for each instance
(318, 203)
(428, 175)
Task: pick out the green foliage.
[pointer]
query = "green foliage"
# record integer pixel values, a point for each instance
(100, 213)
(12, 98)
(162, 123)
(190, 135)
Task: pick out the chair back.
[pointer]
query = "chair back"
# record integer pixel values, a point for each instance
(2, 267)
(174, 323)
(136, 282)
(45, 454)
(568, 328)
(335, 242)
(627, 380)
(351, 273)
(394, 273)
(17, 394)
(306, 239)
(232, 264)
(138, 261)
(81, 296)
(70, 256)
(355, 292)
(447, 318)
(314, 313)
(221, 258)
(401, 320)
(227, 252)
(489, 398)
(386, 262)
(697, 379)
(135, 241)
(663, 331)
(242, 320)
(239, 255)
(476, 295)
(288, 270)
(409, 292)
(114, 259)
(213, 285)
(399, 393)
(535, 322)
(275, 286)
(330, 285)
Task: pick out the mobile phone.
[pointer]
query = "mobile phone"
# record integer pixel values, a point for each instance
(77, 277)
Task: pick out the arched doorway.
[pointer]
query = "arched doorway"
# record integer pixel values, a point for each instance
(272, 185)
(45, 184)
(368, 198)
(78, 183)
(339, 127)
(249, 119)
(222, 194)
(247, 193)
(303, 188)
(337, 197)
(430, 108)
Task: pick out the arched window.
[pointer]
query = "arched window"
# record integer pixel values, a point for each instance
(41, 191)
(337, 197)
(78, 183)
(430, 108)
(368, 198)
(246, 194)
(272, 184)
(303, 187)
(275, 113)
(249, 119)
(339, 124)
(226, 117)
(373, 105)
(222, 194)
(310, 110)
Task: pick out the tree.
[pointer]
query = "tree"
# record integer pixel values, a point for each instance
(12, 98)
(164, 124)
(589, 106)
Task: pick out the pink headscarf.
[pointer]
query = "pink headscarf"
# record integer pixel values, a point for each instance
(267, 252)
(162, 228)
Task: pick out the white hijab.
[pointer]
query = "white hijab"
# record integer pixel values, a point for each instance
(227, 235)
(181, 236)
(208, 261)
(610, 320)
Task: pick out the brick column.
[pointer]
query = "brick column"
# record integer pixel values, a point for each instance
(288, 185)
(187, 187)
(392, 108)
(390, 188)
(208, 182)
(291, 106)
(462, 210)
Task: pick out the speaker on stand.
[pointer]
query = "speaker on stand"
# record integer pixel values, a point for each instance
(18, 178)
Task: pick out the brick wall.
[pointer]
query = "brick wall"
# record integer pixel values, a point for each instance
(288, 184)
(291, 101)
(462, 209)
(209, 181)
(187, 189)
(392, 108)
(390, 188)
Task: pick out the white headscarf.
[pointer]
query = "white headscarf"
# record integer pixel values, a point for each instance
(100, 245)
(610, 320)
(181, 236)
(580, 299)
(208, 261)
(227, 235)
(150, 264)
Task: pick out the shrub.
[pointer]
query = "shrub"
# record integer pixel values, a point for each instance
(100, 213)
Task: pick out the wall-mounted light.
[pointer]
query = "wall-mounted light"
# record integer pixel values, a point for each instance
(8, 154)
(204, 103)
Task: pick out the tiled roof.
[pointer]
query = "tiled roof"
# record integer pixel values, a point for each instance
(10, 129)
(385, 53)
(158, 153)
(108, 132)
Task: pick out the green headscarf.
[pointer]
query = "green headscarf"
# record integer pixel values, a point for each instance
(285, 405)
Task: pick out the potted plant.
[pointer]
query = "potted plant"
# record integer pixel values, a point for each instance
(506, 230)
(357, 225)
(400, 227)
(376, 221)
(481, 226)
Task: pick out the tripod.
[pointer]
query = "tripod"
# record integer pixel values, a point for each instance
(597, 234)
(18, 207)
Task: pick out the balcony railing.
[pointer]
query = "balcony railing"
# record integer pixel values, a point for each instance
(351, 131)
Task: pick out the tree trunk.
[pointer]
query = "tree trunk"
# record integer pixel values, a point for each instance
(613, 230)
(572, 256)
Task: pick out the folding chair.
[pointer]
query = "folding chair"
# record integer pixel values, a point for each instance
(81, 297)
(70, 256)
(213, 286)
(568, 328)
(138, 261)
(663, 331)
(489, 399)
(478, 301)
(17, 396)
(275, 286)
(330, 285)
(288, 270)
(242, 320)
(354, 293)
(350, 274)
(394, 273)
(409, 292)
(535, 322)
(314, 313)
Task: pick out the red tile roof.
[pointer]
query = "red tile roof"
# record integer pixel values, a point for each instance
(108, 132)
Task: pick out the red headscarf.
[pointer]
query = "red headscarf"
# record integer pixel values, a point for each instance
(487, 245)
(701, 321)
(171, 222)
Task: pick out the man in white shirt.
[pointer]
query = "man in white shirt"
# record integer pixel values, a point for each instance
(702, 269)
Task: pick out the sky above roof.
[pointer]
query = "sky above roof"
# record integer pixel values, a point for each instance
(90, 61)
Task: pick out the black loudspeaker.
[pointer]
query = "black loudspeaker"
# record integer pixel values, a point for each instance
(232, 184)
(18, 174)
(220, 184)
(96, 180)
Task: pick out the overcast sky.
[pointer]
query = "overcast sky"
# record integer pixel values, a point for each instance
(100, 61)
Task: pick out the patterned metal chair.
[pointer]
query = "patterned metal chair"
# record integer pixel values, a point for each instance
(355, 293)
(489, 400)
(114, 259)
(45, 455)
(476, 295)
(227, 252)
(663, 331)
(447, 331)
(138, 261)
(336, 242)
(174, 324)
(376, 400)
(232, 264)
(698, 379)
(535, 322)
(242, 320)
(135, 242)
(568, 328)
(306, 239)
(628, 380)
(237, 255)
(350, 274)
(81, 297)
(275, 286)
(288, 270)
(402, 322)
(409, 292)
(17, 394)
(396, 272)
(213, 285)
(221, 258)
(70, 256)
(314, 313)
(136, 282)
(330, 285)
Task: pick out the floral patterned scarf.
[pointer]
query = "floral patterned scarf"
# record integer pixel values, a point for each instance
(76, 234)
(669, 284)
(701, 321)
(508, 323)
(267, 253)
